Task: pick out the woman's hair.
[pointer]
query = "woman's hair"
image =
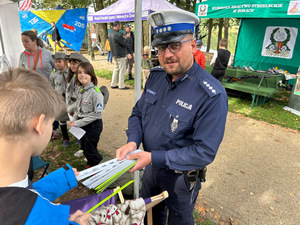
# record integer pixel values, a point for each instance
(88, 69)
(33, 36)
(70, 72)
(25, 94)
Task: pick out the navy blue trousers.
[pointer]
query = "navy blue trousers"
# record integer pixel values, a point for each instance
(178, 203)
(90, 140)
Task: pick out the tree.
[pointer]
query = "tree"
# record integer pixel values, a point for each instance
(226, 27)
(69, 4)
(210, 27)
(188, 5)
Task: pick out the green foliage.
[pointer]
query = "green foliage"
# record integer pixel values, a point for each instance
(232, 38)
(108, 74)
(68, 4)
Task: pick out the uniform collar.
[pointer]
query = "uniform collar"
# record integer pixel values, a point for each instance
(91, 85)
(65, 72)
(188, 75)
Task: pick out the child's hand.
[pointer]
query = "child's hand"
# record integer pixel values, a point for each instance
(72, 123)
(80, 217)
(75, 172)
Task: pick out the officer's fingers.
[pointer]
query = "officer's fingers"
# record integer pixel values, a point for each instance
(120, 153)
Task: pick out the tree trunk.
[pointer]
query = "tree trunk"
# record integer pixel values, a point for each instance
(226, 28)
(221, 21)
(101, 27)
(145, 34)
(102, 31)
(210, 26)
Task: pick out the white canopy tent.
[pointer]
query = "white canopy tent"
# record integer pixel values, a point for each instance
(10, 34)
(124, 10)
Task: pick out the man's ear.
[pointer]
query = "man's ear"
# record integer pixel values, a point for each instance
(194, 45)
(37, 123)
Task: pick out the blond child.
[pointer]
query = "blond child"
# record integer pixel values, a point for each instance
(146, 64)
(29, 106)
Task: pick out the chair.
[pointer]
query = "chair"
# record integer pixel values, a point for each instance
(39, 163)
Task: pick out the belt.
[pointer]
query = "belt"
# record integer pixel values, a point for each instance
(193, 175)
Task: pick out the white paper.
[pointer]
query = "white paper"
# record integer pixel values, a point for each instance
(77, 132)
(93, 36)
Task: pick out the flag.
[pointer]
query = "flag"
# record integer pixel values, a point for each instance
(25, 5)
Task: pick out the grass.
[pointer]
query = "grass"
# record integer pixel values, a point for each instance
(271, 112)
(107, 74)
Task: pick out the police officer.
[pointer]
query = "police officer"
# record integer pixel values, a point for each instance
(180, 119)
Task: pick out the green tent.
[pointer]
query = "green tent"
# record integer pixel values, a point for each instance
(248, 9)
(269, 31)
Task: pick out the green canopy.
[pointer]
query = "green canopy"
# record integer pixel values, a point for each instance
(248, 9)
(268, 43)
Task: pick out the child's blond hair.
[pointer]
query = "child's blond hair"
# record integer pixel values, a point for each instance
(25, 94)
(146, 50)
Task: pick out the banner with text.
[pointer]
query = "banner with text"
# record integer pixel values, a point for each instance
(248, 9)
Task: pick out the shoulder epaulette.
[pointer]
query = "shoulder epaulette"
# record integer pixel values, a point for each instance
(97, 89)
(157, 68)
(211, 89)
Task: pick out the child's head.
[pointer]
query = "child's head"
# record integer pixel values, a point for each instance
(24, 95)
(146, 50)
(223, 43)
(74, 59)
(83, 69)
(60, 60)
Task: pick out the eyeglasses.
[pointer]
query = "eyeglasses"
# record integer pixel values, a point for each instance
(173, 47)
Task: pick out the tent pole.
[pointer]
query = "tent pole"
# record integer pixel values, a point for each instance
(137, 72)
(150, 34)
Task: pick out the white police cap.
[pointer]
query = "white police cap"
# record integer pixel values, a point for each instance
(172, 25)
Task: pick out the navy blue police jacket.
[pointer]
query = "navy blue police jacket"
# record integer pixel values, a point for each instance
(181, 123)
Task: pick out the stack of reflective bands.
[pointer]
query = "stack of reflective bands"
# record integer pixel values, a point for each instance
(101, 176)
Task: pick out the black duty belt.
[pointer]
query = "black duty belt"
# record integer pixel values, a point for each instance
(193, 175)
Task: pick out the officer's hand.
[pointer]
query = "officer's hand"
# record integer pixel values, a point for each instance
(143, 159)
(80, 217)
(125, 149)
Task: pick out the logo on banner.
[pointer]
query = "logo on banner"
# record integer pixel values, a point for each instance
(279, 42)
(202, 10)
(294, 8)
